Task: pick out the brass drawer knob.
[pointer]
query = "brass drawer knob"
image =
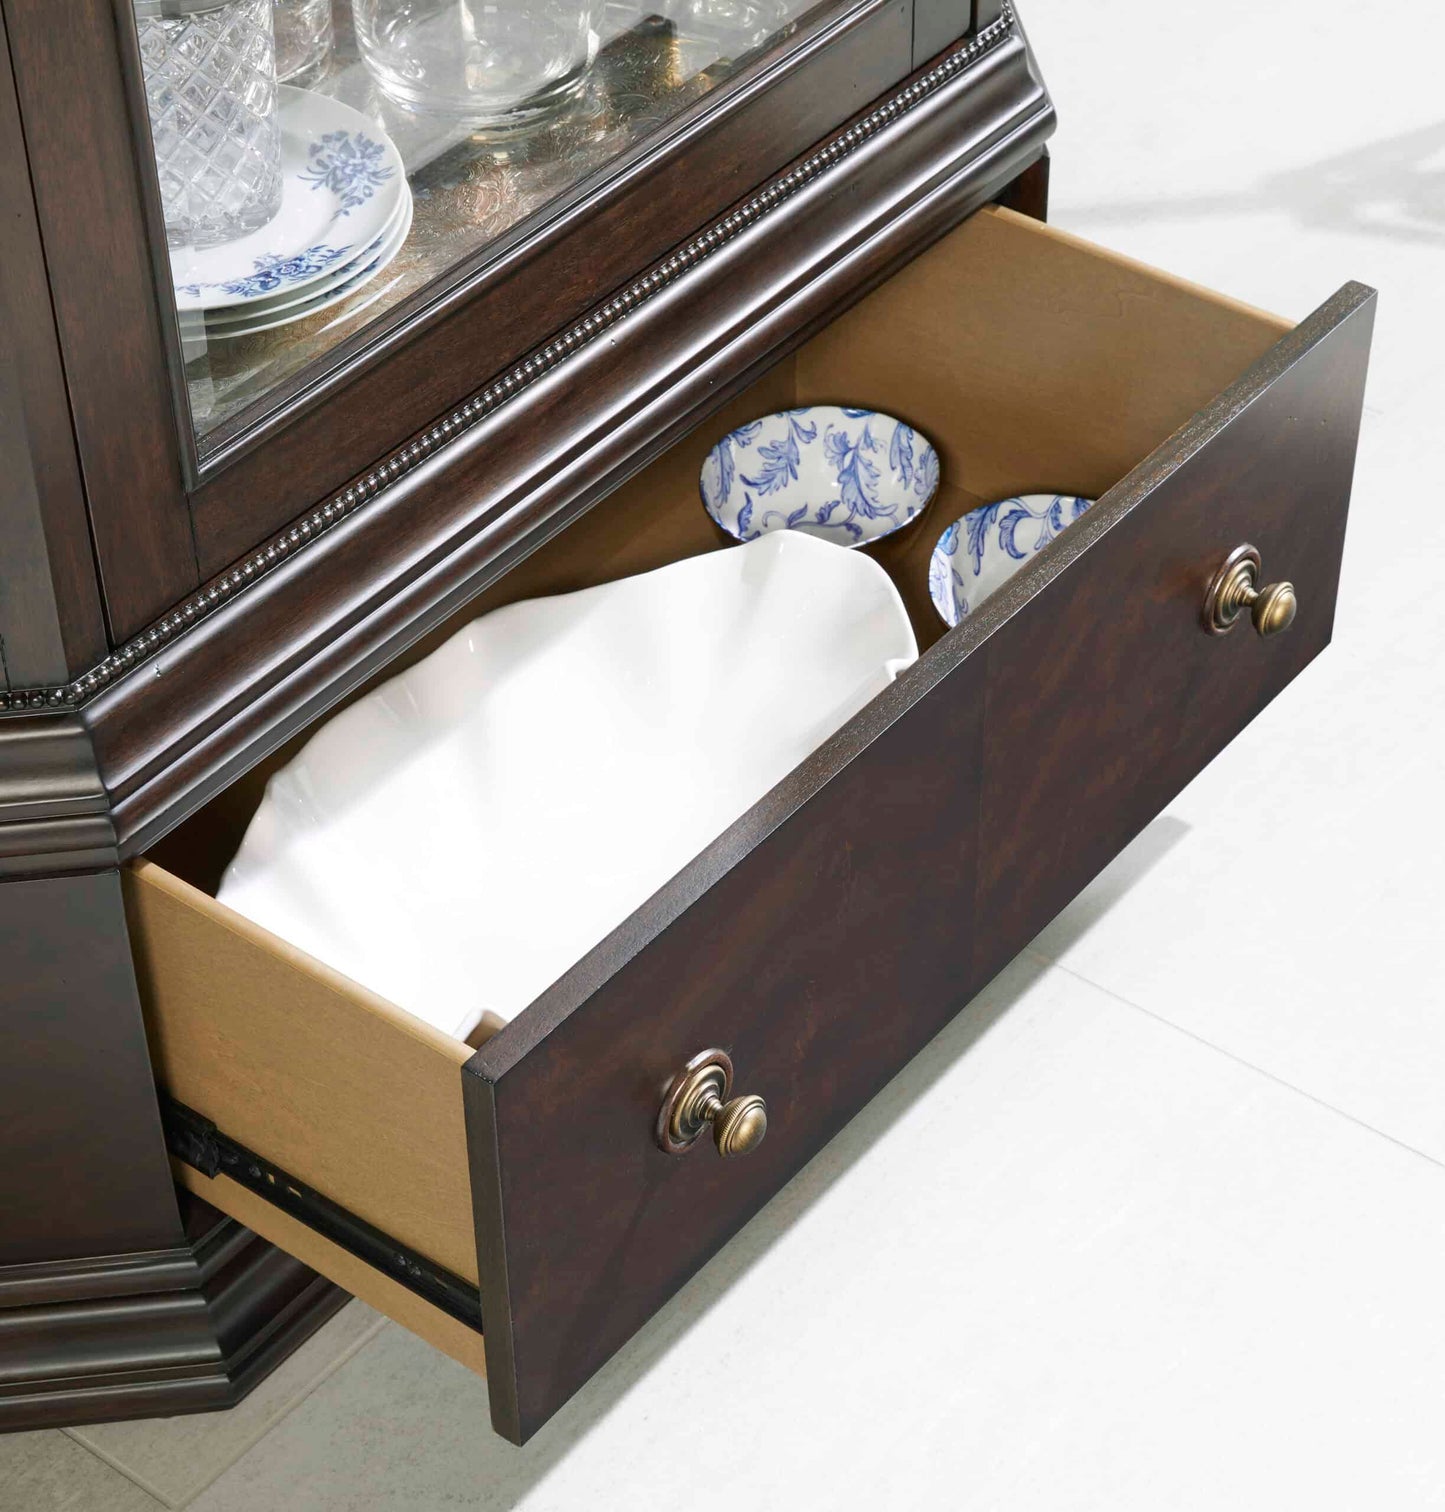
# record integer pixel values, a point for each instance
(699, 1096)
(1235, 588)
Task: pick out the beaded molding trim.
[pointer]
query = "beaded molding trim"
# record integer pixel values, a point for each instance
(285, 544)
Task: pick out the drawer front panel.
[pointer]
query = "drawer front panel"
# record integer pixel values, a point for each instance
(1106, 697)
(792, 963)
(829, 934)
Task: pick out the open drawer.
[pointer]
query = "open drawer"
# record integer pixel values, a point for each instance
(511, 1202)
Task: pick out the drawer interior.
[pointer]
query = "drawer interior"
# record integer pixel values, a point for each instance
(1033, 361)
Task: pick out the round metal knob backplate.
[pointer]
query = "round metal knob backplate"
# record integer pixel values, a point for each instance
(698, 1097)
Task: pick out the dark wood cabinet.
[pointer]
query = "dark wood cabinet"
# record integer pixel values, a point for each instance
(179, 492)
(848, 211)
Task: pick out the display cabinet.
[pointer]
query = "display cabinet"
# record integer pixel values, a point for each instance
(195, 443)
(332, 326)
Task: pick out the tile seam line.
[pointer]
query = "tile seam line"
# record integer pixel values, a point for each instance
(294, 1402)
(120, 1470)
(342, 1360)
(1240, 1060)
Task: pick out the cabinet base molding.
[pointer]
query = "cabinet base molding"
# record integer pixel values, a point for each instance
(152, 1335)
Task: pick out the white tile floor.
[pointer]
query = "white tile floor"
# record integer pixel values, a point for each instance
(1121, 1237)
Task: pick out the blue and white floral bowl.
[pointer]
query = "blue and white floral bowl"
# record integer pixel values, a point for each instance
(978, 554)
(844, 475)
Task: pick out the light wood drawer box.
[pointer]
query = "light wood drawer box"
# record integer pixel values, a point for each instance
(510, 1203)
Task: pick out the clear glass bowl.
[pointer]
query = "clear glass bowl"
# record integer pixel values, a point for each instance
(492, 64)
(304, 37)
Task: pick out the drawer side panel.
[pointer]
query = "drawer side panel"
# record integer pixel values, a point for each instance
(1035, 361)
(313, 1072)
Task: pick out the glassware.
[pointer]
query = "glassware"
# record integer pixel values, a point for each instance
(304, 35)
(487, 63)
(210, 80)
(739, 24)
(473, 186)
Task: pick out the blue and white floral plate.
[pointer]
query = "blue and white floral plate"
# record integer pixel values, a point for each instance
(844, 475)
(343, 181)
(978, 554)
(248, 322)
(307, 292)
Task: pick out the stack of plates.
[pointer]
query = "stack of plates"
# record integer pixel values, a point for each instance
(345, 212)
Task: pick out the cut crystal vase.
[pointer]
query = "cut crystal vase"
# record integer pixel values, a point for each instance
(210, 80)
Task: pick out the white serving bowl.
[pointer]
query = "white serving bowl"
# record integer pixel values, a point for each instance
(979, 553)
(845, 475)
(461, 836)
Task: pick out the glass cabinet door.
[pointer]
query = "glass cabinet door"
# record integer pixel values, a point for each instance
(321, 162)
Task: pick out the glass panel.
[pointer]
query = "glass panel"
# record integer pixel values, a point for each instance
(322, 160)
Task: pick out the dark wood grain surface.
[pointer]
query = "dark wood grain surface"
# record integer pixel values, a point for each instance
(796, 962)
(84, 147)
(192, 1328)
(51, 627)
(1105, 697)
(1029, 192)
(109, 1306)
(827, 936)
(73, 1032)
